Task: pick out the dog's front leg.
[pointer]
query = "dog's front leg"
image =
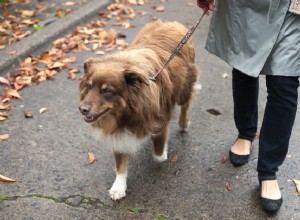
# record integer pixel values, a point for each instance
(118, 189)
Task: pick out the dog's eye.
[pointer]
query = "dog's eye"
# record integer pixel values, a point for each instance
(88, 86)
(106, 91)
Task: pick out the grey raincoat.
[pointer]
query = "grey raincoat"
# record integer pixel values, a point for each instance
(256, 36)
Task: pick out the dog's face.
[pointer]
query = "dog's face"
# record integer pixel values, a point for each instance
(106, 88)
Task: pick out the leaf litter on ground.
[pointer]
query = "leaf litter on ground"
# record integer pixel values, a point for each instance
(6, 179)
(94, 36)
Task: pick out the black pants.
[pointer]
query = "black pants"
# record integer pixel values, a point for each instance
(278, 121)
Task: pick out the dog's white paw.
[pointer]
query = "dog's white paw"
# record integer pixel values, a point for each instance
(118, 189)
(161, 158)
(116, 194)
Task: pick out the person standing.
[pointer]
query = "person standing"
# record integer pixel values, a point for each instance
(259, 37)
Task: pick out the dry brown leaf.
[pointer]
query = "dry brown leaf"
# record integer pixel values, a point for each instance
(3, 81)
(159, 8)
(19, 37)
(4, 137)
(12, 52)
(224, 159)
(42, 110)
(4, 114)
(74, 70)
(297, 184)
(92, 157)
(45, 57)
(2, 118)
(60, 13)
(23, 80)
(27, 13)
(6, 179)
(99, 52)
(18, 86)
(228, 187)
(13, 93)
(56, 65)
(70, 3)
(71, 76)
(174, 158)
(5, 106)
(28, 115)
(70, 60)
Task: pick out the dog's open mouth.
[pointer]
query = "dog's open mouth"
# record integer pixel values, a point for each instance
(91, 118)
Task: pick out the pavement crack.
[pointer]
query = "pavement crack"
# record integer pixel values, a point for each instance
(86, 202)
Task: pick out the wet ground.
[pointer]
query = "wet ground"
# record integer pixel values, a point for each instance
(47, 154)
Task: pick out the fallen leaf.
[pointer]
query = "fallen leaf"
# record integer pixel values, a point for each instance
(92, 157)
(27, 13)
(12, 52)
(3, 81)
(13, 93)
(70, 3)
(225, 75)
(4, 136)
(42, 110)
(2, 118)
(60, 13)
(74, 70)
(100, 52)
(28, 115)
(224, 159)
(213, 111)
(4, 114)
(133, 2)
(56, 65)
(6, 179)
(159, 8)
(297, 185)
(23, 80)
(174, 159)
(18, 86)
(71, 76)
(5, 106)
(228, 187)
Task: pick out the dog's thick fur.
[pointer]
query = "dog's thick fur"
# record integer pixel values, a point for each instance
(118, 97)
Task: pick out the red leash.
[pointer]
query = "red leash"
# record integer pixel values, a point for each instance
(180, 45)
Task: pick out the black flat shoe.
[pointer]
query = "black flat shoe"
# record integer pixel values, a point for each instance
(271, 205)
(238, 160)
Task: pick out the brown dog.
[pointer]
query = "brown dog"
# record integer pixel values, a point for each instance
(118, 98)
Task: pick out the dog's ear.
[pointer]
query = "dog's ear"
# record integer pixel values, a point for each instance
(87, 64)
(134, 78)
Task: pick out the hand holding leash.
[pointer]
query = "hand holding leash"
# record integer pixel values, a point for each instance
(207, 5)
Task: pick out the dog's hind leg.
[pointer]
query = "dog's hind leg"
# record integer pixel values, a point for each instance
(118, 189)
(184, 118)
(160, 145)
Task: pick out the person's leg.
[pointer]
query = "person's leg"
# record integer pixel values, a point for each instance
(245, 95)
(275, 134)
(277, 124)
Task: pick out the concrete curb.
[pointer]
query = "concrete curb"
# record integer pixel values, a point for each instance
(31, 43)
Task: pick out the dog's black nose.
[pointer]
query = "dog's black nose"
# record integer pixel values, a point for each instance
(84, 109)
